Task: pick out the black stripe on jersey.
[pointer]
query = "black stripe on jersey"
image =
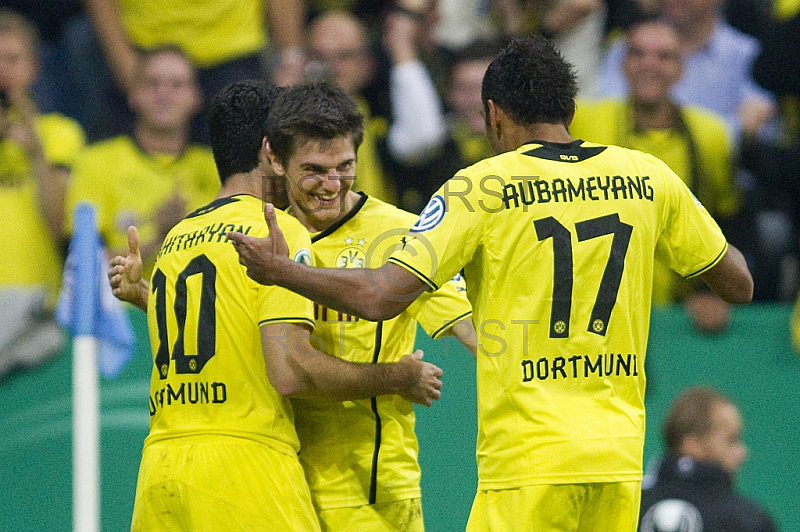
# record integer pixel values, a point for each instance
(217, 203)
(569, 152)
(444, 327)
(295, 320)
(422, 277)
(343, 221)
(373, 478)
(710, 264)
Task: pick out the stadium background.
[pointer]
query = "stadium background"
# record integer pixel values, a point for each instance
(752, 362)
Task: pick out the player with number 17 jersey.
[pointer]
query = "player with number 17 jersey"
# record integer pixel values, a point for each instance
(562, 303)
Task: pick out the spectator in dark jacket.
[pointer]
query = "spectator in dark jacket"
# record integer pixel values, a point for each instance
(693, 489)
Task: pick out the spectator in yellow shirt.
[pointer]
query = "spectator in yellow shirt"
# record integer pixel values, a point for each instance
(154, 177)
(694, 142)
(36, 152)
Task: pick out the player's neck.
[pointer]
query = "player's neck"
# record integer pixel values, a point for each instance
(155, 140)
(519, 135)
(243, 183)
(315, 223)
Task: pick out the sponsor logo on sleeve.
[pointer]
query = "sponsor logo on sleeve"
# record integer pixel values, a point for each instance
(431, 215)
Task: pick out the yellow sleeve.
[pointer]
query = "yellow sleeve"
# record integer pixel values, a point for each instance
(794, 325)
(278, 305)
(438, 311)
(691, 241)
(447, 232)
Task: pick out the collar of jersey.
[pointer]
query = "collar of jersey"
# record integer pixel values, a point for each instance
(322, 234)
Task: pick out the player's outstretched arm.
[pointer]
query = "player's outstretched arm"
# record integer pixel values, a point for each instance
(375, 294)
(125, 274)
(296, 369)
(730, 278)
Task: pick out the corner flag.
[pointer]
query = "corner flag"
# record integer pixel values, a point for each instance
(86, 305)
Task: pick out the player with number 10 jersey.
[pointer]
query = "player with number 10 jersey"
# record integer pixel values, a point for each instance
(211, 402)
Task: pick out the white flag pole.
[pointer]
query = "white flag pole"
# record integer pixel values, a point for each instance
(85, 436)
(85, 395)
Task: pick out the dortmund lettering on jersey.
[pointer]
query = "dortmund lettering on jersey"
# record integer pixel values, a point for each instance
(204, 316)
(557, 243)
(361, 452)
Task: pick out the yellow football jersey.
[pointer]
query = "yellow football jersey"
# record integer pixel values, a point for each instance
(30, 254)
(700, 153)
(557, 242)
(363, 452)
(204, 316)
(127, 187)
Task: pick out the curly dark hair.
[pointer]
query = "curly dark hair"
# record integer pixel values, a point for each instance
(531, 81)
(312, 111)
(237, 122)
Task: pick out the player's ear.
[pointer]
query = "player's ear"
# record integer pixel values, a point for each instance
(273, 159)
(492, 113)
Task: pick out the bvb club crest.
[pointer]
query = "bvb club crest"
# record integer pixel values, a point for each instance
(353, 256)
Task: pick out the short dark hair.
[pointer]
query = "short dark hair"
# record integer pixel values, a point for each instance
(312, 111)
(532, 82)
(237, 123)
(690, 415)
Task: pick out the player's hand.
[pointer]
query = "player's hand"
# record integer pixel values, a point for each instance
(260, 256)
(709, 313)
(125, 273)
(423, 382)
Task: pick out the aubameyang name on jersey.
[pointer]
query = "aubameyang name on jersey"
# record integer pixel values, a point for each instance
(191, 393)
(580, 366)
(527, 191)
(210, 233)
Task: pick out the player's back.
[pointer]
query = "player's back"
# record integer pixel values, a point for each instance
(557, 242)
(570, 257)
(204, 317)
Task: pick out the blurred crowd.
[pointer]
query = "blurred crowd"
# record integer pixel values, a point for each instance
(103, 100)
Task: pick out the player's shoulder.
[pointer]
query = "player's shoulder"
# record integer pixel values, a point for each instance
(385, 213)
(287, 222)
(630, 155)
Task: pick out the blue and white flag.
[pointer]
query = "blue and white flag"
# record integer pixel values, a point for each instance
(86, 305)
